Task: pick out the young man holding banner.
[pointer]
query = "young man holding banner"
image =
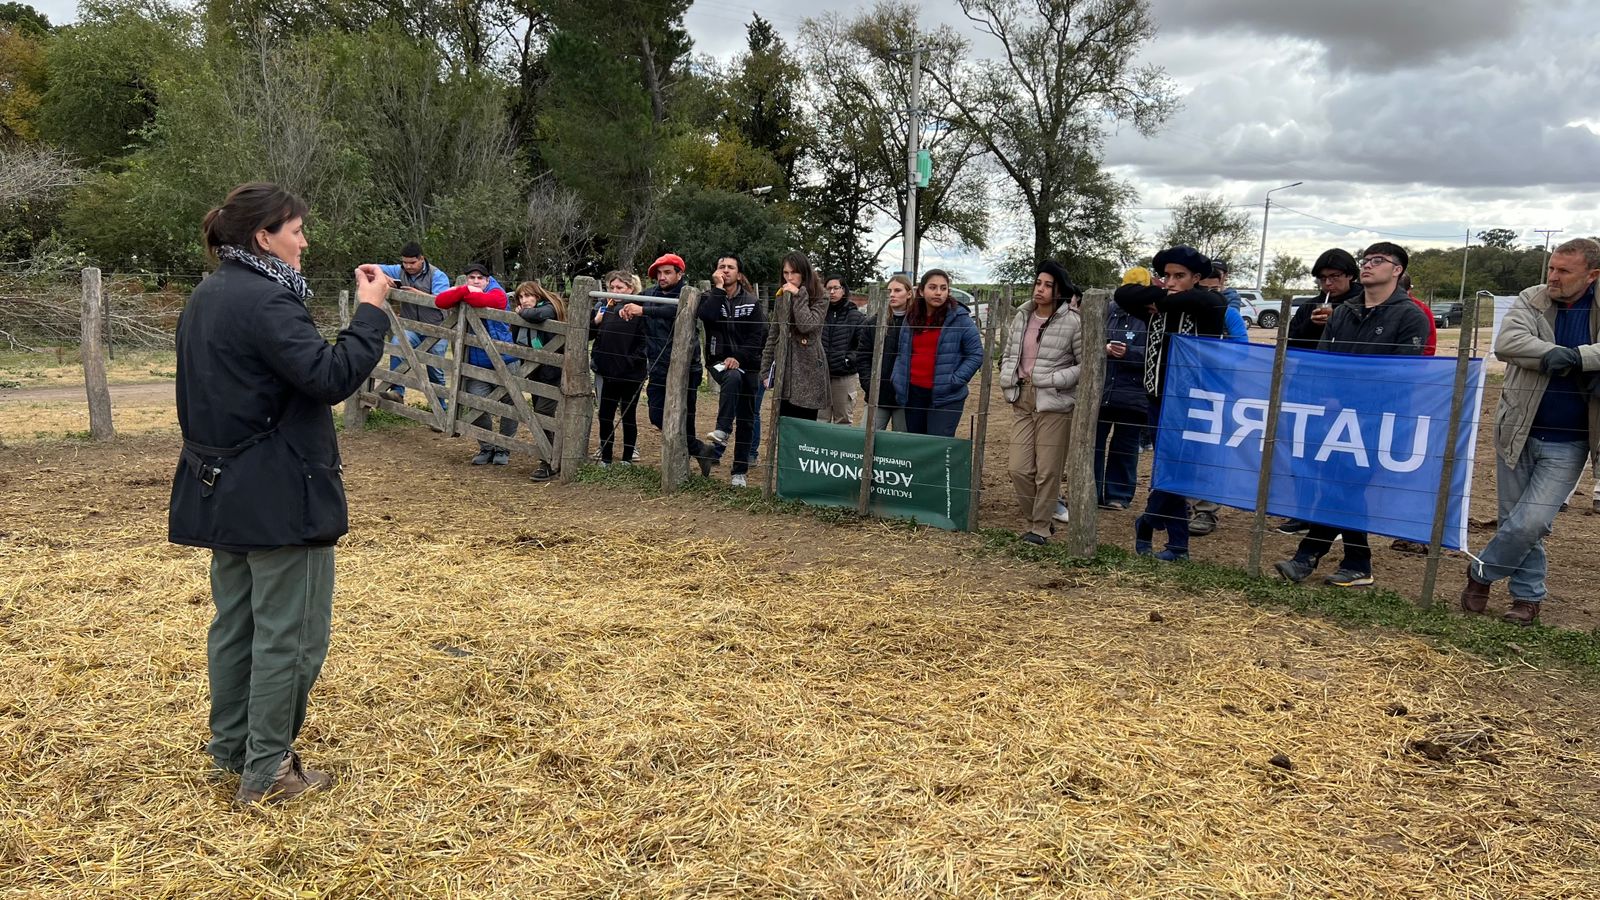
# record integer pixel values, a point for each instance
(1380, 321)
(1547, 424)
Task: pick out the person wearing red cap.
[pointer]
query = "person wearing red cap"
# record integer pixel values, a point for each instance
(668, 270)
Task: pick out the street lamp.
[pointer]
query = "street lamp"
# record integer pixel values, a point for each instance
(1261, 265)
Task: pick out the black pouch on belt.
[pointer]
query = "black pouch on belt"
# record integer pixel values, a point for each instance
(206, 463)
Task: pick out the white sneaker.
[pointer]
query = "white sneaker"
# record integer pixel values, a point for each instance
(718, 435)
(1062, 515)
(739, 481)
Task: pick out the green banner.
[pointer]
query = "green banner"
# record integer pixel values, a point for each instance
(915, 476)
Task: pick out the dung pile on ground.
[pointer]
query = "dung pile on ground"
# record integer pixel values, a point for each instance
(580, 700)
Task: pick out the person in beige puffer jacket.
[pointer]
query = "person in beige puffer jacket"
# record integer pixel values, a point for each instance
(1039, 376)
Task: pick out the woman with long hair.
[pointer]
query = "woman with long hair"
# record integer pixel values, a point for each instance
(891, 407)
(537, 306)
(258, 480)
(1039, 376)
(619, 359)
(802, 305)
(940, 351)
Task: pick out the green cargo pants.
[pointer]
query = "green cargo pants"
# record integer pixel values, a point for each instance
(264, 652)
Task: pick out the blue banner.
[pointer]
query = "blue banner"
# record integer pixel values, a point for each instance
(1360, 439)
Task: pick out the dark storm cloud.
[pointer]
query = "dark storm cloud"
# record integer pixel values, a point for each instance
(1382, 34)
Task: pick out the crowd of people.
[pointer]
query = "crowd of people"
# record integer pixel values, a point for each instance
(258, 480)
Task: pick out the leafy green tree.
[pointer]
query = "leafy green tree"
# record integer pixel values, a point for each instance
(22, 82)
(1283, 270)
(103, 72)
(701, 225)
(1068, 68)
(859, 84)
(24, 19)
(1498, 238)
(1207, 223)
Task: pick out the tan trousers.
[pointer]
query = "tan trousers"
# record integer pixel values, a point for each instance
(1038, 453)
(841, 399)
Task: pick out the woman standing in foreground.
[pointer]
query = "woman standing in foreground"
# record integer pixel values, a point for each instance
(940, 351)
(258, 481)
(1040, 378)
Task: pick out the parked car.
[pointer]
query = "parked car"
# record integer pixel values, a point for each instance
(1258, 312)
(1447, 315)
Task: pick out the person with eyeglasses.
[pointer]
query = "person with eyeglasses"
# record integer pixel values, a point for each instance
(1546, 427)
(1379, 321)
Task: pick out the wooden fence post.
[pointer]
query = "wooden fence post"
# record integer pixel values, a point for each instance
(675, 415)
(91, 345)
(1441, 505)
(780, 361)
(1083, 502)
(870, 417)
(1269, 446)
(577, 384)
(355, 417)
(980, 428)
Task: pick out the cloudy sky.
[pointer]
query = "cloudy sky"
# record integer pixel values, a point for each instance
(1413, 121)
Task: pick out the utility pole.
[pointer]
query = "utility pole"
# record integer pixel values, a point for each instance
(1261, 265)
(1547, 232)
(908, 257)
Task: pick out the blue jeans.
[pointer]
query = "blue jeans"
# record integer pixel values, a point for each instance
(923, 417)
(1531, 493)
(435, 375)
(1116, 471)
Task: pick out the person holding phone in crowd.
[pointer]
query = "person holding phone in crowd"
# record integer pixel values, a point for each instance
(940, 351)
(258, 481)
(736, 332)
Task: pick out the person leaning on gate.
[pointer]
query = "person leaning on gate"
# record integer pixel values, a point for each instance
(1382, 321)
(1178, 305)
(482, 291)
(1124, 410)
(659, 322)
(416, 275)
(1547, 425)
(1039, 377)
(847, 343)
(736, 331)
(538, 306)
(258, 482)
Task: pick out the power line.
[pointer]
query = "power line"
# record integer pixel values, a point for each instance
(1426, 237)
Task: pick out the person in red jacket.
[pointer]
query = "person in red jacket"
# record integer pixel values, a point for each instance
(1433, 330)
(482, 291)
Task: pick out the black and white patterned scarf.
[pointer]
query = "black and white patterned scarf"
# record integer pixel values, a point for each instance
(268, 267)
(1156, 349)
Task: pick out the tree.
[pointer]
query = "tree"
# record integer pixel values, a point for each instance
(22, 82)
(1067, 70)
(1283, 270)
(701, 225)
(1498, 238)
(1208, 224)
(103, 72)
(763, 102)
(24, 19)
(613, 69)
(859, 85)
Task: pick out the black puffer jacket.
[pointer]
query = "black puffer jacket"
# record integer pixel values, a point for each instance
(1125, 377)
(1395, 327)
(887, 399)
(260, 466)
(1305, 334)
(846, 339)
(660, 319)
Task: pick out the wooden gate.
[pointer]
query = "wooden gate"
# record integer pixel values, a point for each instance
(560, 437)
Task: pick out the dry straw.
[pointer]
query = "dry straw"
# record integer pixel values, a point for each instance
(573, 693)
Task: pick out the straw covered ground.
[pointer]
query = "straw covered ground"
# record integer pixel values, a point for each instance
(581, 692)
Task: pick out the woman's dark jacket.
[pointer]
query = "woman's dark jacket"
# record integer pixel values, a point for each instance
(619, 346)
(260, 464)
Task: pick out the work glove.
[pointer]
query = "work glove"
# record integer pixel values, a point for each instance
(1559, 360)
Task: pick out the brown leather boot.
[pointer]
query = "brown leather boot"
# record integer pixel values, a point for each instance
(292, 781)
(1475, 596)
(1522, 612)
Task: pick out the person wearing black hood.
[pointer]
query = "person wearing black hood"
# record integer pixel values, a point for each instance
(1179, 306)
